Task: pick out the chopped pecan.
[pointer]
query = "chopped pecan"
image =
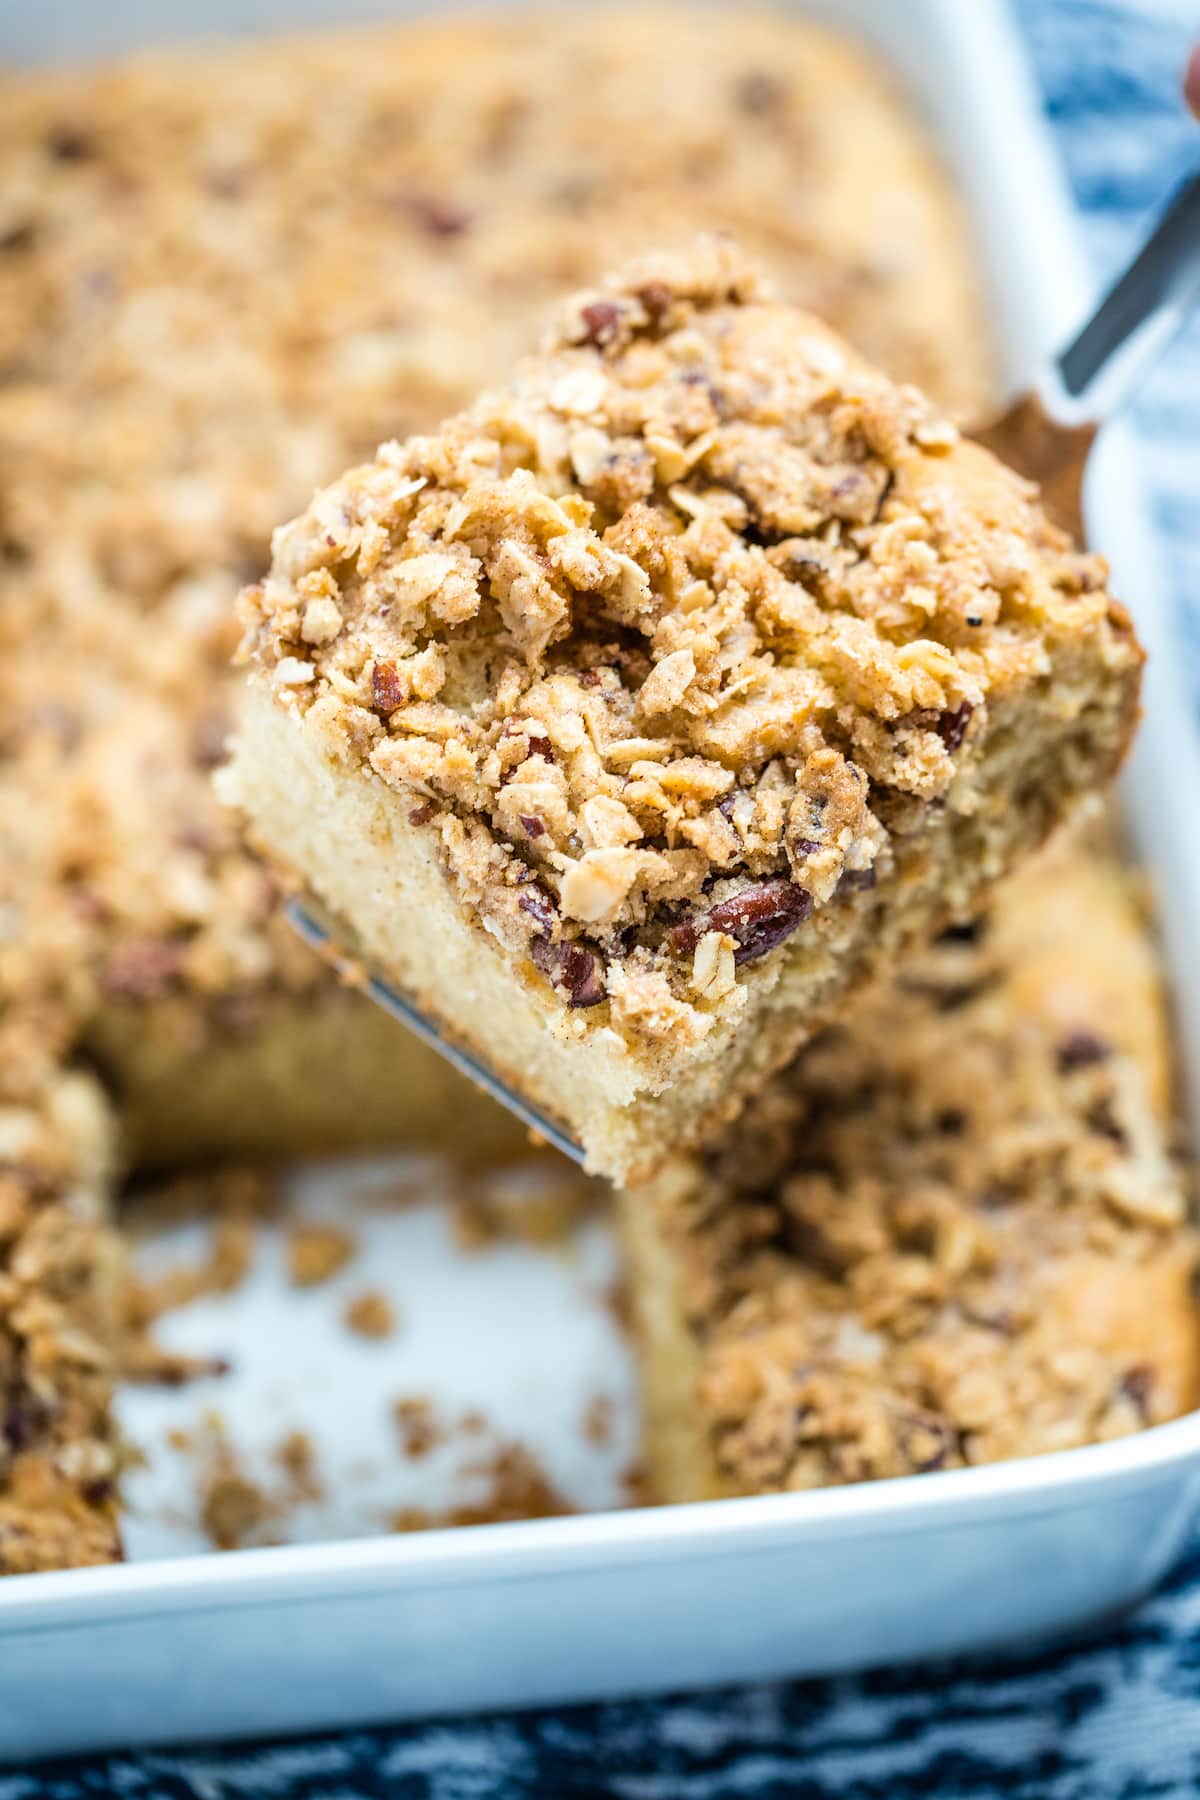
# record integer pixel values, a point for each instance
(441, 218)
(571, 967)
(541, 910)
(1081, 1049)
(656, 297)
(143, 971)
(758, 91)
(759, 919)
(387, 689)
(926, 1442)
(581, 973)
(952, 726)
(1137, 1384)
(24, 1421)
(600, 319)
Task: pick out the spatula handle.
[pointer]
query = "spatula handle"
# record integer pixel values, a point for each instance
(1137, 318)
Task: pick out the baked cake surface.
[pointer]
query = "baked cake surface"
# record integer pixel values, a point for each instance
(666, 693)
(951, 1233)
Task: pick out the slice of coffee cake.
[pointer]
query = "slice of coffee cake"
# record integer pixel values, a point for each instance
(637, 717)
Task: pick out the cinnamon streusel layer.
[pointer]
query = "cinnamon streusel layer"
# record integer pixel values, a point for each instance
(950, 1233)
(636, 717)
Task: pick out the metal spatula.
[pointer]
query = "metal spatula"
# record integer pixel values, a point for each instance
(1046, 434)
(1048, 431)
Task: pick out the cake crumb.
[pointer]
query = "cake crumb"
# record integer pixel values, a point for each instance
(233, 1509)
(296, 1456)
(598, 1420)
(144, 1300)
(148, 1364)
(370, 1315)
(635, 1485)
(222, 1271)
(618, 1303)
(420, 1432)
(315, 1253)
(536, 1201)
(517, 1487)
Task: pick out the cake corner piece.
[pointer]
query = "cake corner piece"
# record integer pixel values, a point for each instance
(643, 712)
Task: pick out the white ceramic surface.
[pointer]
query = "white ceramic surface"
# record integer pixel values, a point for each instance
(328, 1633)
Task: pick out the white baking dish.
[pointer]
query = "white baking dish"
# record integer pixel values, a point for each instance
(325, 1634)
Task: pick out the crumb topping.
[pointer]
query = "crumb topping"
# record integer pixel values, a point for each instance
(949, 1236)
(515, 1486)
(61, 1272)
(672, 638)
(370, 1314)
(316, 1252)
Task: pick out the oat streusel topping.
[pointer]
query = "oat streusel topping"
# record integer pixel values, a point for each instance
(671, 638)
(922, 1249)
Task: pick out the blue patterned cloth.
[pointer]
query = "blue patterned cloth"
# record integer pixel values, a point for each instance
(1111, 74)
(1116, 1720)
